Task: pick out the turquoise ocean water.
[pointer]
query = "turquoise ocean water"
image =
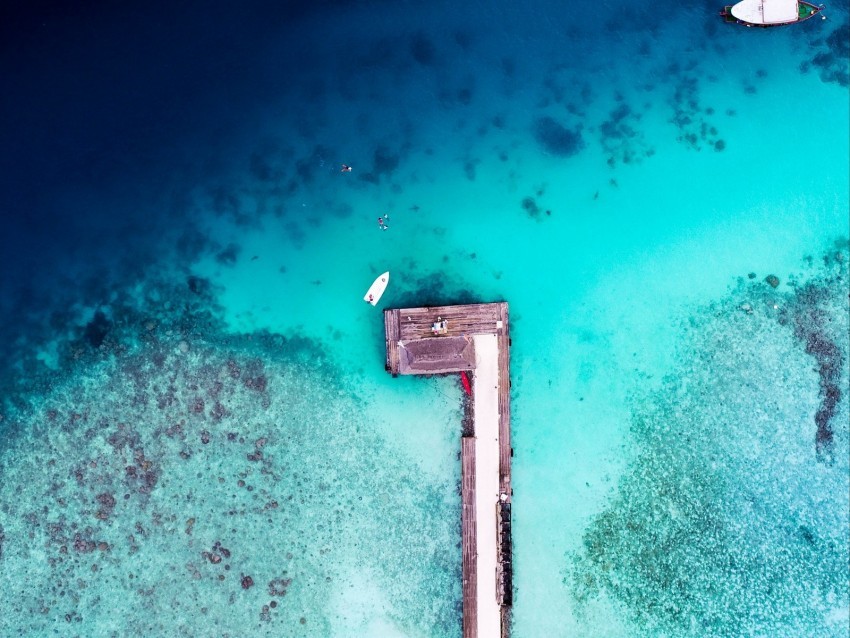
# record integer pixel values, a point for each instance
(199, 438)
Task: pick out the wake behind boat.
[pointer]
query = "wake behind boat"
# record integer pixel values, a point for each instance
(769, 13)
(376, 290)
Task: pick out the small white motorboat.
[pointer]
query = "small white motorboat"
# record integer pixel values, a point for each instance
(373, 295)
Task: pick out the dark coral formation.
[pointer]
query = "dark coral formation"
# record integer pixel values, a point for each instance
(422, 50)
(824, 338)
(97, 329)
(384, 164)
(556, 139)
(228, 255)
(529, 205)
(829, 359)
(689, 116)
(434, 290)
(278, 586)
(621, 140)
(833, 61)
(199, 285)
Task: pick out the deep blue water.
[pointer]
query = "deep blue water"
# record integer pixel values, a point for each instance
(103, 105)
(111, 114)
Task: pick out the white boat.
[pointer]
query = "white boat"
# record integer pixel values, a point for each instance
(770, 13)
(373, 295)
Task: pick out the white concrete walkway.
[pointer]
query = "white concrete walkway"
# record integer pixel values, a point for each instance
(486, 393)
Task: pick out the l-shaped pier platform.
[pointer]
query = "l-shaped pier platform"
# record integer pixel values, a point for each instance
(473, 339)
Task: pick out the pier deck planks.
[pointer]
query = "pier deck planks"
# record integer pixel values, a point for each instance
(468, 541)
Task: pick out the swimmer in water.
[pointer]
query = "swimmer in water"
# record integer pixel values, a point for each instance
(345, 169)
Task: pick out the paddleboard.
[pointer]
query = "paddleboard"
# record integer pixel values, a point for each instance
(464, 378)
(373, 295)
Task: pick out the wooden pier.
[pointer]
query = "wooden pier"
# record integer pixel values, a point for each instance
(473, 339)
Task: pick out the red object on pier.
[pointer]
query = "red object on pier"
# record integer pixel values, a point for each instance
(464, 379)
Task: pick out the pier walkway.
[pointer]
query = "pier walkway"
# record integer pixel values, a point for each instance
(473, 339)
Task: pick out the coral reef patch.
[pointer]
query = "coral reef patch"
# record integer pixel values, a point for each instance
(171, 466)
(728, 522)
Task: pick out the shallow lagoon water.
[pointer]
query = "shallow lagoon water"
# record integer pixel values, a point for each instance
(660, 399)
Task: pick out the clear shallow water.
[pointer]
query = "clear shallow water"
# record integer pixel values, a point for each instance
(652, 409)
